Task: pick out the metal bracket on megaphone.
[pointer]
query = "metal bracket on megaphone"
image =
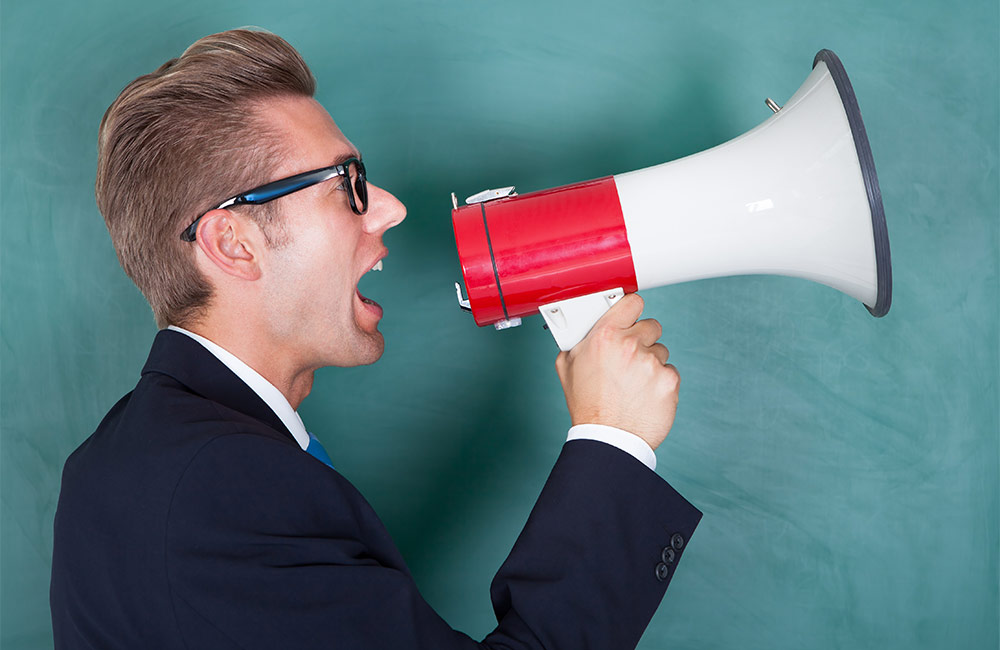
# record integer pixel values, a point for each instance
(487, 195)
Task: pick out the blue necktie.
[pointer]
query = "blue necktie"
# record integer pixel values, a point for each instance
(316, 450)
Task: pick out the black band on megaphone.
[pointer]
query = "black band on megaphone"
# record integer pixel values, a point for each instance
(493, 260)
(883, 261)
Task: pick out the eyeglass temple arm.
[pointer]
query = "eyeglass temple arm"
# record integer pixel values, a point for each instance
(272, 191)
(277, 189)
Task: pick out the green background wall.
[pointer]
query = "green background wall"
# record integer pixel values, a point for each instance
(847, 466)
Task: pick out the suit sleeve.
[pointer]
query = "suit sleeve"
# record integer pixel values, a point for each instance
(267, 547)
(597, 553)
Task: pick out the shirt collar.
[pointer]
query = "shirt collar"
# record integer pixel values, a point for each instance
(264, 389)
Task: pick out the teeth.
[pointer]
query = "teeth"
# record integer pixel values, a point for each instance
(377, 267)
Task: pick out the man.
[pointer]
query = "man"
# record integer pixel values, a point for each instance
(201, 514)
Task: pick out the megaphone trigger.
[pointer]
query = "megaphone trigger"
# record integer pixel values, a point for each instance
(570, 320)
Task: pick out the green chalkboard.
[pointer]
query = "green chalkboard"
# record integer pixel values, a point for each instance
(847, 466)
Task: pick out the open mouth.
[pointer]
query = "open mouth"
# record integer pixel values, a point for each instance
(374, 306)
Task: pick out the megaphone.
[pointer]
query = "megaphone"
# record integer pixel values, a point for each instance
(795, 196)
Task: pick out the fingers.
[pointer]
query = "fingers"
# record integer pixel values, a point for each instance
(661, 352)
(675, 379)
(648, 331)
(624, 313)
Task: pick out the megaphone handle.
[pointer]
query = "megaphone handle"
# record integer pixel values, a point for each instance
(570, 320)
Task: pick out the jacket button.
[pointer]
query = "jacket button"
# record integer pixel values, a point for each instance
(662, 572)
(668, 555)
(677, 541)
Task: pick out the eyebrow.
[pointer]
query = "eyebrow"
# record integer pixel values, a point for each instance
(340, 160)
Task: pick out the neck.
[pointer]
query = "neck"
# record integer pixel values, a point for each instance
(259, 352)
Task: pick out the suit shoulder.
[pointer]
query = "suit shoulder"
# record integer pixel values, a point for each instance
(244, 474)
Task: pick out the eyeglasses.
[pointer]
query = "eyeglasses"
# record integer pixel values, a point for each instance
(355, 184)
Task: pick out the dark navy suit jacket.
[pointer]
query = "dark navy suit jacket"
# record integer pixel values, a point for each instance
(191, 519)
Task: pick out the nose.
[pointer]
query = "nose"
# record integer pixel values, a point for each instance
(384, 210)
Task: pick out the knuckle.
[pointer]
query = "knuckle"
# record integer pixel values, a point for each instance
(666, 389)
(673, 377)
(603, 335)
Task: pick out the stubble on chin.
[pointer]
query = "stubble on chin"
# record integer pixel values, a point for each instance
(363, 349)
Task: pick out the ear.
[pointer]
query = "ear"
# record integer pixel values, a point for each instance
(231, 242)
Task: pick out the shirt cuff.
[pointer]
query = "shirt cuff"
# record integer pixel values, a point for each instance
(628, 442)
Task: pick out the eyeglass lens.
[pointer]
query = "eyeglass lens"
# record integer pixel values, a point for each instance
(359, 197)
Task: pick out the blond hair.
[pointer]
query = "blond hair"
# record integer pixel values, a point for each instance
(182, 139)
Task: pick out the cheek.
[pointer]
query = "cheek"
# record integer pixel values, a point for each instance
(328, 282)
(318, 266)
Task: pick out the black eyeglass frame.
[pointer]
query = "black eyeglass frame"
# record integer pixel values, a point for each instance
(285, 186)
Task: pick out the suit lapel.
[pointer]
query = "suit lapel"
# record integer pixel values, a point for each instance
(179, 356)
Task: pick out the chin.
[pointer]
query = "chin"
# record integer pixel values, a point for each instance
(369, 350)
(355, 346)
(372, 358)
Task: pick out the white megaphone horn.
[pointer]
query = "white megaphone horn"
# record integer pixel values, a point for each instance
(795, 196)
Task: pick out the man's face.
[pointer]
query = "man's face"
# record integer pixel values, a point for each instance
(314, 311)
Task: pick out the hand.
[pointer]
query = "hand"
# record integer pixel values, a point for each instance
(619, 376)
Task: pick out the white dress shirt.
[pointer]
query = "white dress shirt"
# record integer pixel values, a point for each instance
(627, 442)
